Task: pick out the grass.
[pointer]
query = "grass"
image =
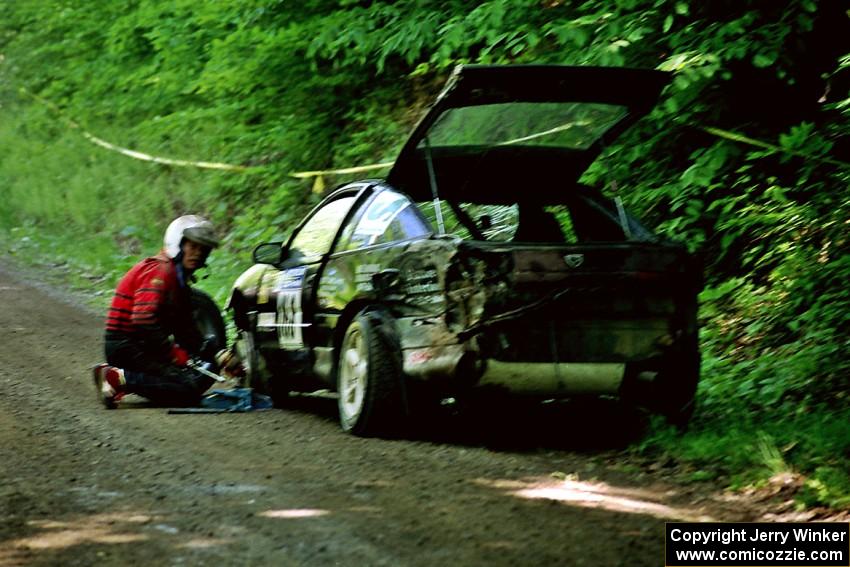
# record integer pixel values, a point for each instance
(752, 449)
(92, 264)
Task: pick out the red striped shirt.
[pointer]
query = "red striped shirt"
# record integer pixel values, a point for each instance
(147, 302)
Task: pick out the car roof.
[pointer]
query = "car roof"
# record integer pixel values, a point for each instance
(500, 133)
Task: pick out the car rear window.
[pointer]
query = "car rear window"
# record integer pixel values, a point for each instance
(574, 125)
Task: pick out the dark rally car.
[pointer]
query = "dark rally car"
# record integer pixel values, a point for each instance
(481, 263)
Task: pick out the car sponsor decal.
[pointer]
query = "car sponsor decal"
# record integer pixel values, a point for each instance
(289, 313)
(423, 281)
(266, 320)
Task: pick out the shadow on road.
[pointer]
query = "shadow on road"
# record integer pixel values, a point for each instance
(513, 424)
(578, 425)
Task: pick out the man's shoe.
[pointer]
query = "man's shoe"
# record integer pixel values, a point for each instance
(109, 382)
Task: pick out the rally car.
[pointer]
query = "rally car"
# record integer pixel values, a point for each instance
(481, 262)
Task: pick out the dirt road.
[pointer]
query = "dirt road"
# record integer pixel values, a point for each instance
(138, 486)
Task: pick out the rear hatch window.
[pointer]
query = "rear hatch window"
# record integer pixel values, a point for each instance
(557, 124)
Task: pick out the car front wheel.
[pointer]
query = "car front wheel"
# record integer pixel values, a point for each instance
(369, 377)
(257, 374)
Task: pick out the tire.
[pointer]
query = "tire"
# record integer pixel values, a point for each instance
(679, 392)
(250, 357)
(369, 377)
(257, 373)
(209, 322)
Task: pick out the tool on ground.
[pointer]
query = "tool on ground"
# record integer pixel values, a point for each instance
(236, 400)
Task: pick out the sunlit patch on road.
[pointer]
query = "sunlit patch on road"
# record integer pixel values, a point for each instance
(294, 513)
(205, 543)
(118, 528)
(597, 495)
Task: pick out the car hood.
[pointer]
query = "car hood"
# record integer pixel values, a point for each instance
(496, 133)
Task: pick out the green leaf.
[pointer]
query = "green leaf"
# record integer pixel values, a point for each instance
(764, 60)
(580, 36)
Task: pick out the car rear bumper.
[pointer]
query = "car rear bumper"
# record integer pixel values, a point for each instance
(453, 363)
(548, 378)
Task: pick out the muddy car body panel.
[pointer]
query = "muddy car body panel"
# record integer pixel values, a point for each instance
(368, 298)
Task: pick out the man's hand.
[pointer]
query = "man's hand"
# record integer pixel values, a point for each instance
(179, 356)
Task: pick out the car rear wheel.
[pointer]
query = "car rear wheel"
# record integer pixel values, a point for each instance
(677, 386)
(680, 398)
(369, 378)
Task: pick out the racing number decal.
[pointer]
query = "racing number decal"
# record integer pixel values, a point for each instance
(289, 313)
(289, 317)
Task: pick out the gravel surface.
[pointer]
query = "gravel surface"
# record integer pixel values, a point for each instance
(548, 485)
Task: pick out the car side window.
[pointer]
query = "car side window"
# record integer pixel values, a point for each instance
(507, 223)
(496, 222)
(315, 237)
(388, 217)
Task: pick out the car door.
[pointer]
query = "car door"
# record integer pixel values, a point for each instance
(368, 244)
(303, 257)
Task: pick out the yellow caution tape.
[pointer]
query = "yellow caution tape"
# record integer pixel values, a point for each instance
(318, 184)
(343, 171)
(162, 160)
(132, 153)
(735, 137)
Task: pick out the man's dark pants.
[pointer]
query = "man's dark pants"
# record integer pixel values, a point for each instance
(159, 381)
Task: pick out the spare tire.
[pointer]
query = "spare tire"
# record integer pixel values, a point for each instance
(208, 320)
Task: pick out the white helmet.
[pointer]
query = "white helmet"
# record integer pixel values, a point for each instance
(191, 227)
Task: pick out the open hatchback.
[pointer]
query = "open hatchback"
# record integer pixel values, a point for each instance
(481, 263)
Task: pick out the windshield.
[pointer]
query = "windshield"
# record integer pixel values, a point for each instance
(574, 125)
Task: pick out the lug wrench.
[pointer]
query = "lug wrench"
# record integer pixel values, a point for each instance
(200, 368)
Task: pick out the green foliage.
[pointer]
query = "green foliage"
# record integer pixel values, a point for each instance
(828, 486)
(749, 450)
(282, 87)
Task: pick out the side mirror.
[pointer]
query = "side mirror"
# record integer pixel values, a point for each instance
(268, 253)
